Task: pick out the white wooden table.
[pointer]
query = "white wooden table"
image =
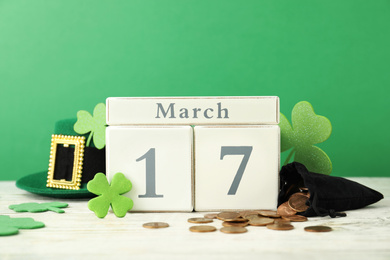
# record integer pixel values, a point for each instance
(78, 233)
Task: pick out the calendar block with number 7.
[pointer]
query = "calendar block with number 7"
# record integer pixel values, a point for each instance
(157, 160)
(236, 167)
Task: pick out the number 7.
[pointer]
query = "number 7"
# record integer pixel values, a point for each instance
(237, 150)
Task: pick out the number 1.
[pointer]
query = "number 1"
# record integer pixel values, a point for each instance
(150, 161)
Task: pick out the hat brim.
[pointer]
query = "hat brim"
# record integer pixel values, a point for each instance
(36, 183)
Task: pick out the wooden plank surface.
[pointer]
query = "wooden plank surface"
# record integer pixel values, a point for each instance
(79, 234)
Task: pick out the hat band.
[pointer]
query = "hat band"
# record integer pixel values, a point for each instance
(93, 162)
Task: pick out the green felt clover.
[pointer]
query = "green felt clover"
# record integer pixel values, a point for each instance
(110, 195)
(307, 129)
(95, 124)
(34, 207)
(10, 226)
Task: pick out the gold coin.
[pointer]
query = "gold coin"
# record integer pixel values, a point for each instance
(234, 224)
(211, 215)
(280, 226)
(261, 221)
(318, 229)
(202, 228)
(285, 210)
(200, 220)
(233, 230)
(246, 213)
(305, 191)
(228, 216)
(297, 202)
(295, 218)
(155, 225)
(269, 213)
(281, 221)
(240, 219)
(254, 216)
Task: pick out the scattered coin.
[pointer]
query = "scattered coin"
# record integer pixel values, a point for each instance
(200, 220)
(233, 230)
(269, 213)
(295, 218)
(234, 224)
(202, 228)
(281, 221)
(254, 216)
(261, 221)
(285, 210)
(155, 225)
(303, 189)
(228, 216)
(211, 215)
(318, 229)
(240, 219)
(246, 213)
(297, 202)
(280, 226)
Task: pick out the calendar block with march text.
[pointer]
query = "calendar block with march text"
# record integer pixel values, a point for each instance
(158, 162)
(192, 110)
(236, 167)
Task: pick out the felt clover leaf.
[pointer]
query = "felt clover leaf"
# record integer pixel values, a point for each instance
(11, 226)
(307, 129)
(110, 195)
(95, 124)
(34, 207)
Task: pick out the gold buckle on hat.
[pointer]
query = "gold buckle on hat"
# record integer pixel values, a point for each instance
(66, 140)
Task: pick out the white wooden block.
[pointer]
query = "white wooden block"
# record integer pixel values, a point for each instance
(158, 162)
(253, 110)
(237, 167)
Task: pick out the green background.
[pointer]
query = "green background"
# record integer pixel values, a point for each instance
(58, 57)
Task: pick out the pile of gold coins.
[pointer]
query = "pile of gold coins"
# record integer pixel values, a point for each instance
(296, 203)
(236, 222)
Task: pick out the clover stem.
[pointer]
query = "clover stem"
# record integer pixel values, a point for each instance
(89, 138)
(57, 210)
(289, 156)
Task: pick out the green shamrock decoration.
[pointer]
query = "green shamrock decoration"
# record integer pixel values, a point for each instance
(307, 129)
(110, 195)
(11, 226)
(95, 124)
(34, 207)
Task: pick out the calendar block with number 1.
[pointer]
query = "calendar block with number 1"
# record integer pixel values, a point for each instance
(158, 161)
